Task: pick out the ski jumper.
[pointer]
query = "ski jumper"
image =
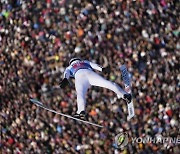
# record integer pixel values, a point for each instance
(85, 77)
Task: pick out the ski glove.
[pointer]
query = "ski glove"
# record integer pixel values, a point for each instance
(64, 83)
(106, 69)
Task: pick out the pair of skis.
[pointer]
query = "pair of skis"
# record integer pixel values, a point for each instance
(127, 85)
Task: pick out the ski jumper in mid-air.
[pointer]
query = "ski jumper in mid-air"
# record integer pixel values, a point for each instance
(85, 77)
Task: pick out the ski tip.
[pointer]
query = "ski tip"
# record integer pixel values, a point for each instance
(35, 101)
(31, 99)
(122, 67)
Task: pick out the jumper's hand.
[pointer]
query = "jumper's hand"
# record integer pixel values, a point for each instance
(106, 69)
(64, 83)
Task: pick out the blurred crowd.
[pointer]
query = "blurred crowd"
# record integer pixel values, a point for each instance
(37, 39)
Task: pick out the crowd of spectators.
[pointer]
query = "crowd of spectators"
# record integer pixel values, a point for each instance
(37, 39)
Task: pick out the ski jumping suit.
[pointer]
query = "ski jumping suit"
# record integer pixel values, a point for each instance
(85, 77)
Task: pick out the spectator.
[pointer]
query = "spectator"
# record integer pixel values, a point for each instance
(37, 38)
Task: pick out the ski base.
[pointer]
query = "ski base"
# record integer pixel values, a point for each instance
(127, 85)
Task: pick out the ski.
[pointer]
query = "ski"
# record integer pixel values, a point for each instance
(127, 86)
(40, 104)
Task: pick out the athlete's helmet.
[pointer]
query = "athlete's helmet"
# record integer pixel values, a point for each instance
(74, 59)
